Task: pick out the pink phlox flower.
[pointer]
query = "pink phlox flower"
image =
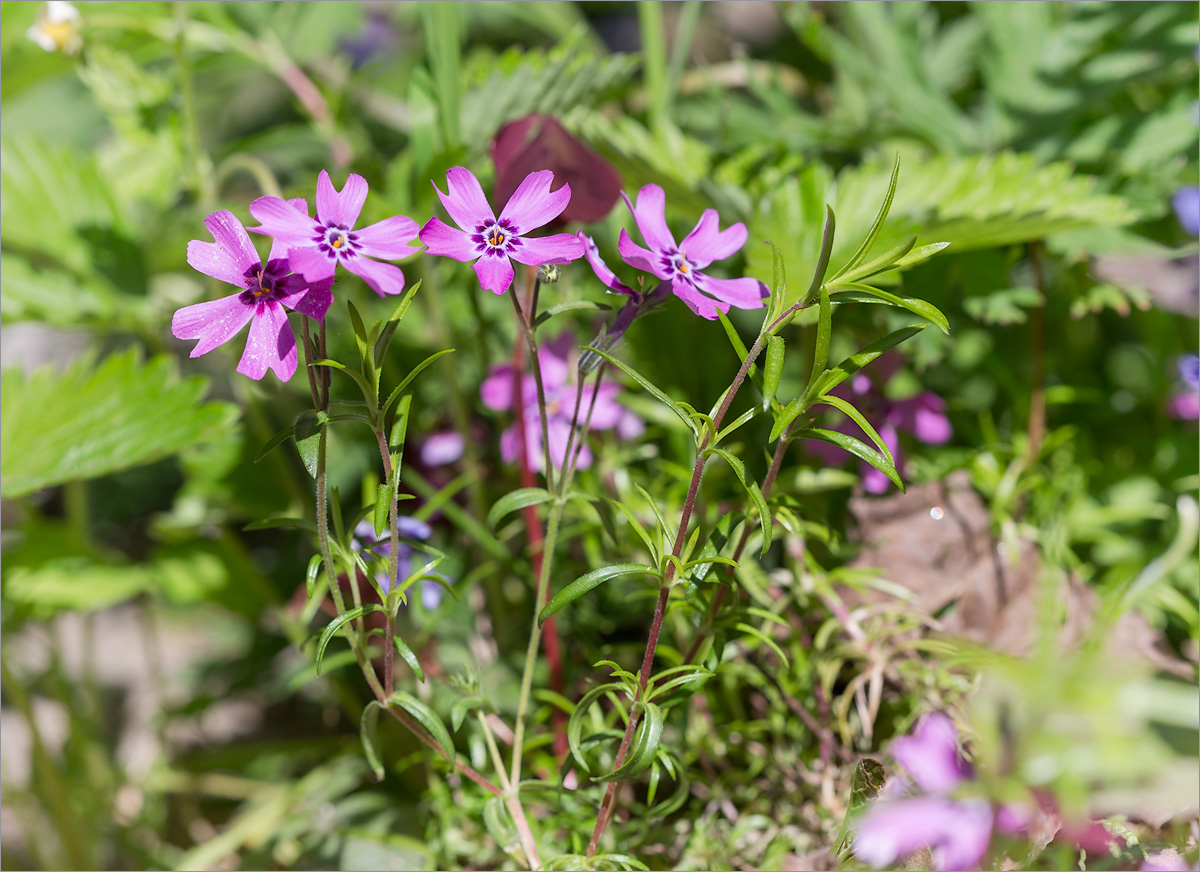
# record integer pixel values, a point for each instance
(957, 831)
(558, 380)
(1166, 860)
(315, 247)
(490, 241)
(264, 293)
(924, 416)
(683, 264)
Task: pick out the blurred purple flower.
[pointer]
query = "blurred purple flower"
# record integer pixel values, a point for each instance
(558, 380)
(539, 142)
(1166, 860)
(956, 831)
(442, 448)
(381, 548)
(491, 241)
(1185, 403)
(923, 415)
(681, 264)
(316, 247)
(376, 37)
(267, 291)
(1186, 203)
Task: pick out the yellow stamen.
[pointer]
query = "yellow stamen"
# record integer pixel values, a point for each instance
(683, 266)
(336, 242)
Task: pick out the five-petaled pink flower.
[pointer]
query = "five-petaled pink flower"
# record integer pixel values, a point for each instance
(491, 241)
(266, 291)
(316, 247)
(682, 264)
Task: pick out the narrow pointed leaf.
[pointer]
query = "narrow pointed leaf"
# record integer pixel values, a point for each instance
(389, 327)
(773, 369)
(515, 500)
(822, 267)
(584, 583)
(336, 624)
(570, 306)
(653, 389)
(368, 731)
(754, 491)
(274, 442)
(857, 417)
(861, 358)
(784, 418)
(867, 242)
(883, 263)
(643, 748)
(383, 505)
(859, 293)
(576, 721)
(858, 448)
(427, 718)
(410, 658)
(307, 434)
(413, 373)
(824, 329)
(310, 576)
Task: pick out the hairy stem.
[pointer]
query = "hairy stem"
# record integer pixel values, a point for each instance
(511, 800)
(606, 806)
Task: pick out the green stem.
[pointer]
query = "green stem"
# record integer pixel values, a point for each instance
(654, 60)
(535, 365)
(535, 637)
(511, 799)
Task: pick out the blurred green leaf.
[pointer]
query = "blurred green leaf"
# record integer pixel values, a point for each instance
(87, 422)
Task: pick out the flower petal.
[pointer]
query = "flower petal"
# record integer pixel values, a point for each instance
(442, 239)
(279, 247)
(281, 219)
(230, 256)
(958, 832)
(705, 244)
(465, 201)
(743, 293)
(382, 278)
(607, 411)
(495, 273)
(630, 426)
(389, 238)
(271, 344)
(311, 263)
(532, 203)
(924, 416)
(313, 300)
(592, 252)
(930, 754)
(497, 389)
(214, 322)
(639, 258)
(968, 831)
(702, 305)
(559, 248)
(442, 448)
(342, 207)
(651, 217)
(559, 431)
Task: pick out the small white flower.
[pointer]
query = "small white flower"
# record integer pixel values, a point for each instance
(57, 29)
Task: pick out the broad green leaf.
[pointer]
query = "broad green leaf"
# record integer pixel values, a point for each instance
(860, 293)
(584, 583)
(90, 421)
(516, 500)
(856, 447)
(337, 623)
(643, 748)
(427, 718)
(754, 491)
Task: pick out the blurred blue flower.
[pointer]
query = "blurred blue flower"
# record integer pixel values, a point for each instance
(1187, 208)
(410, 528)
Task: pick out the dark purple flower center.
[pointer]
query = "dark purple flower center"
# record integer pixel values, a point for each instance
(337, 241)
(264, 283)
(496, 238)
(678, 264)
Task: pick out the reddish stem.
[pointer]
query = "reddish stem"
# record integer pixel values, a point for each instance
(535, 536)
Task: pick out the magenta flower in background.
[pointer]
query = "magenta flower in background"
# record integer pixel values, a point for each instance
(441, 448)
(681, 264)
(491, 241)
(315, 247)
(266, 291)
(558, 382)
(1185, 402)
(923, 415)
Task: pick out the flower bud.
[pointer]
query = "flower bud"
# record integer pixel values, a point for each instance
(548, 273)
